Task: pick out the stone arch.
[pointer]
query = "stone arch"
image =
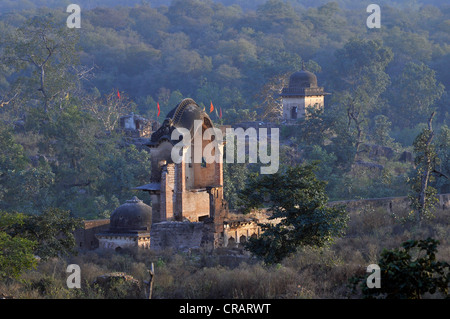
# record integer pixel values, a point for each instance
(243, 239)
(231, 242)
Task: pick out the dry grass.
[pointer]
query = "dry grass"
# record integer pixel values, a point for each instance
(310, 273)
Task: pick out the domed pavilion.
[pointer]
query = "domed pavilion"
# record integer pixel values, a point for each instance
(129, 226)
(301, 93)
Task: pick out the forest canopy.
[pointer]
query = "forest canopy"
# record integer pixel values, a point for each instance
(384, 84)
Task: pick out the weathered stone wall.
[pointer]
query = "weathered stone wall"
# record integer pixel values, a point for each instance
(396, 205)
(301, 103)
(178, 235)
(85, 236)
(195, 205)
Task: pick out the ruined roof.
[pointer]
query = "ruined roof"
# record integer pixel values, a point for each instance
(182, 116)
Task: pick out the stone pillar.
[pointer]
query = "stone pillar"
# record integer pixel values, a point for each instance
(156, 207)
(167, 184)
(179, 188)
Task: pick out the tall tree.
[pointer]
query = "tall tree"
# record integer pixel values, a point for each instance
(410, 272)
(109, 109)
(45, 48)
(361, 78)
(423, 197)
(53, 231)
(297, 201)
(16, 252)
(22, 186)
(413, 94)
(443, 168)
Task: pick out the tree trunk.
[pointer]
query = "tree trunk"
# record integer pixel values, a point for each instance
(426, 173)
(42, 89)
(151, 272)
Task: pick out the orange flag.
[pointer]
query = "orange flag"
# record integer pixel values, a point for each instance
(211, 108)
(159, 110)
(118, 94)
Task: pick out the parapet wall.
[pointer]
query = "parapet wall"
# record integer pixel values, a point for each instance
(396, 205)
(188, 235)
(179, 235)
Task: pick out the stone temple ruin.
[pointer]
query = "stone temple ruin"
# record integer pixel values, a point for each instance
(188, 209)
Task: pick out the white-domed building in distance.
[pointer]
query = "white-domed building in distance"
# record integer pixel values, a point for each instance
(301, 93)
(129, 227)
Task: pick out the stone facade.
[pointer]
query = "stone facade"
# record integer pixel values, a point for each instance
(302, 93)
(129, 227)
(187, 193)
(85, 237)
(123, 240)
(179, 235)
(295, 108)
(238, 232)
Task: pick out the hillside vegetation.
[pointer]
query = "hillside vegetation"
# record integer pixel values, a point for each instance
(60, 147)
(309, 273)
(383, 132)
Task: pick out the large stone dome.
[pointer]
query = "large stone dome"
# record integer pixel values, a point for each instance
(134, 215)
(302, 79)
(302, 83)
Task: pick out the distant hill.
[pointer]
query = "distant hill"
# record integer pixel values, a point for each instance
(19, 5)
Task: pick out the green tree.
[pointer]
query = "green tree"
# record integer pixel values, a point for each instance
(413, 93)
(270, 105)
(123, 169)
(274, 14)
(22, 187)
(361, 77)
(72, 137)
(328, 129)
(45, 51)
(12, 160)
(298, 203)
(52, 230)
(409, 273)
(382, 129)
(234, 177)
(423, 195)
(443, 168)
(16, 252)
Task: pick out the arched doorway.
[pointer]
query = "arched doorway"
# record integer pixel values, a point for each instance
(294, 112)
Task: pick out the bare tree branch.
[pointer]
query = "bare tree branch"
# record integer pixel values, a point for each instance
(3, 102)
